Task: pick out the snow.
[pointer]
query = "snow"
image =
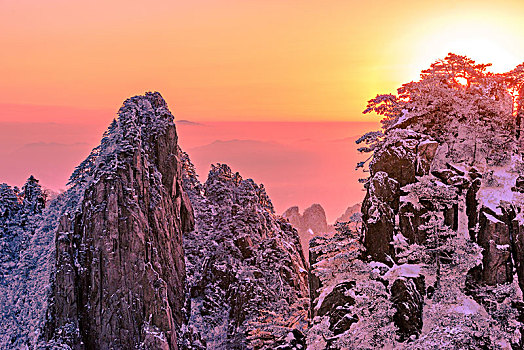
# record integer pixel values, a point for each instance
(491, 218)
(399, 240)
(377, 264)
(326, 291)
(493, 193)
(404, 270)
(468, 307)
(290, 337)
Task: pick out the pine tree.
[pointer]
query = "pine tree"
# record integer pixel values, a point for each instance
(33, 197)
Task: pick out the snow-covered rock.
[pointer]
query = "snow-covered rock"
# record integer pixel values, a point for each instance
(246, 271)
(442, 222)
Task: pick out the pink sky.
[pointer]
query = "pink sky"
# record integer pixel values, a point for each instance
(66, 66)
(300, 163)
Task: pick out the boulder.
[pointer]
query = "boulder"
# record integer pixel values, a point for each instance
(410, 219)
(337, 305)
(398, 160)
(407, 295)
(494, 238)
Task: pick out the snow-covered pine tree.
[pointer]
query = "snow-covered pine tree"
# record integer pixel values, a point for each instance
(33, 197)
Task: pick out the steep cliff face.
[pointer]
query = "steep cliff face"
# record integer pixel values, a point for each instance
(120, 273)
(102, 266)
(442, 228)
(309, 224)
(246, 271)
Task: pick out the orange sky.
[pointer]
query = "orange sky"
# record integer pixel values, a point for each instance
(237, 60)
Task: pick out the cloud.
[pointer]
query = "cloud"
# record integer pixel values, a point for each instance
(188, 122)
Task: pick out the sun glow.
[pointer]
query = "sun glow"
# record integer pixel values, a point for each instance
(484, 39)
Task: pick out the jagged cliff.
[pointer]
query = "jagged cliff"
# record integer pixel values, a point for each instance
(435, 263)
(117, 262)
(102, 266)
(246, 271)
(120, 275)
(309, 224)
(138, 254)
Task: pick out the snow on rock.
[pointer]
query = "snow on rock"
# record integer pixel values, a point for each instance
(120, 274)
(468, 307)
(247, 274)
(404, 270)
(437, 270)
(102, 264)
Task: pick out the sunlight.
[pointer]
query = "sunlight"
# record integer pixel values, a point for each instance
(462, 81)
(482, 40)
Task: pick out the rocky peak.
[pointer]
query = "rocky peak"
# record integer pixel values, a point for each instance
(120, 272)
(103, 264)
(247, 273)
(349, 214)
(313, 218)
(441, 226)
(309, 224)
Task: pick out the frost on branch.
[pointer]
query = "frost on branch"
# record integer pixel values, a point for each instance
(442, 224)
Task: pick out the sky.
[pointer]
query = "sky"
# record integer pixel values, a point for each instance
(67, 66)
(239, 60)
(300, 163)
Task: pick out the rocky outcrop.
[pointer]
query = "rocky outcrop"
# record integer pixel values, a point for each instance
(120, 271)
(443, 244)
(406, 156)
(494, 238)
(111, 248)
(350, 212)
(396, 164)
(379, 206)
(311, 223)
(246, 270)
(440, 240)
(314, 218)
(337, 305)
(498, 231)
(411, 219)
(342, 295)
(472, 210)
(407, 295)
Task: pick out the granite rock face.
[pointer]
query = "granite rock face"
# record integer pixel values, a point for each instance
(311, 223)
(494, 238)
(247, 274)
(120, 261)
(120, 270)
(433, 266)
(407, 295)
